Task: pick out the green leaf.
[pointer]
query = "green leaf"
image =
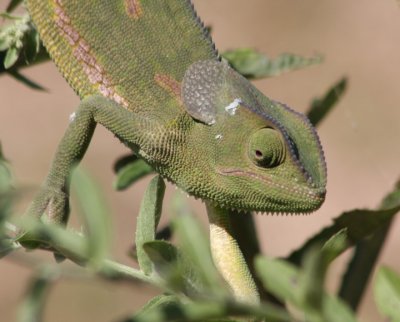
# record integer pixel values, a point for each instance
(392, 199)
(4, 42)
(11, 56)
(158, 303)
(174, 268)
(336, 310)
(13, 5)
(162, 254)
(95, 216)
(252, 64)
(320, 107)
(360, 224)
(303, 288)
(32, 306)
(280, 278)
(148, 219)
(5, 173)
(195, 246)
(7, 195)
(336, 245)
(123, 161)
(312, 281)
(130, 173)
(367, 230)
(387, 293)
(361, 265)
(216, 311)
(31, 45)
(28, 82)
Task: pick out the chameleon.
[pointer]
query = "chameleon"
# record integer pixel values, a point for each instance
(149, 72)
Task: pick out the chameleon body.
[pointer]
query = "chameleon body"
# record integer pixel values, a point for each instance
(148, 71)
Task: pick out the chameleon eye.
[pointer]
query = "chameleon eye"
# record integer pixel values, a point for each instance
(266, 148)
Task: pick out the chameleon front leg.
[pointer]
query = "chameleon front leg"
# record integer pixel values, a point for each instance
(228, 257)
(53, 197)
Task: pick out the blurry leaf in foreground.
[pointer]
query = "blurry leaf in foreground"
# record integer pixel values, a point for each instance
(131, 172)
(11, 57)
(6, 198)
(33, 303)
(290, 284)
(95, 215)
(253, 64)
(5, 173)
(173, 267)
(166, 308)
(195, 246)
(147, 221)
(387, 293)
(320, 107)
(158, 303)
(13, 5)
(164, 233)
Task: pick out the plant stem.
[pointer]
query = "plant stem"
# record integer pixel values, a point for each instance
(228, 257)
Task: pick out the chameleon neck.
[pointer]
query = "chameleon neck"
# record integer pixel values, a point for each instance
(228, 257)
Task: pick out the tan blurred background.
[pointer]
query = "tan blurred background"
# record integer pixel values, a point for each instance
(359, 39)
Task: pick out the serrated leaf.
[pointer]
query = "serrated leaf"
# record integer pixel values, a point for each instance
(320, 107)
(148, 219)
(360, 224)
(387, 293)
(253, 64)
(13, 5)
(130, 173)
(95, 215)
(11, 57)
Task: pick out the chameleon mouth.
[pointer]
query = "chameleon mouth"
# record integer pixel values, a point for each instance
(310, 193)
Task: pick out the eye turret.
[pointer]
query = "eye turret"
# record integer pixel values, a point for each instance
(266, 148)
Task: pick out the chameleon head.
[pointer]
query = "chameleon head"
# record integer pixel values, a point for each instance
(263, 155)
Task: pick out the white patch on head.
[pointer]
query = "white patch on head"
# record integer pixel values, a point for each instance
(72, 117)
(218, 136)
(232, 107)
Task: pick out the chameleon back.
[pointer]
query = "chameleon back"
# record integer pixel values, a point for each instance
(121, 48)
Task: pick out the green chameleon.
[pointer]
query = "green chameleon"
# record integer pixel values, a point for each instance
(148, 71)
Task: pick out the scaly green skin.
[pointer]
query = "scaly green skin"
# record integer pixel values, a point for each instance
(148, 72)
